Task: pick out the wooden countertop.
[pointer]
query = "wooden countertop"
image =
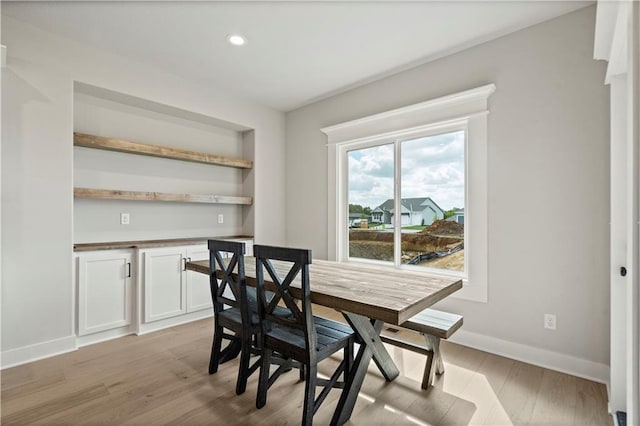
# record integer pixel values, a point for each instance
(114, 245)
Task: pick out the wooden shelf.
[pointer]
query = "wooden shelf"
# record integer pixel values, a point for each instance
(113, 194)
(119, 145)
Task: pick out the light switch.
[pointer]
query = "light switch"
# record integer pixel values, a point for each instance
(220, 218)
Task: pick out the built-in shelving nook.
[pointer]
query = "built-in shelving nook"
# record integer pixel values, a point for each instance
(176, 173)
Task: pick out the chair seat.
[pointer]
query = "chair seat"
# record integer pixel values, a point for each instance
(231, 318)
(332, 336)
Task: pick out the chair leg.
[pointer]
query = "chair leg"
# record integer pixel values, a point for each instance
(263, 380)
(216, 347)
(311, 375)
(243, 368)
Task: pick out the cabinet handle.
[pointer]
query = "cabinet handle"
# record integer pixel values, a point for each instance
(128, 269)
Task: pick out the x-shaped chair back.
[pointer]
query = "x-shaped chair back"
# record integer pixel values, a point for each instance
(231, 289)
(293, 264)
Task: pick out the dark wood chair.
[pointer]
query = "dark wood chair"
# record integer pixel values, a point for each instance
(232, 310)
(301, 336)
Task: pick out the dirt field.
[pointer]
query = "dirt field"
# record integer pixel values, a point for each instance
(453, 262)
(440, 236)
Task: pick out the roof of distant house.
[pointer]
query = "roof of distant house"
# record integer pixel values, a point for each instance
(410, 204)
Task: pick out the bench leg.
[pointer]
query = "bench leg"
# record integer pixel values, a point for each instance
(427, 380)
(434, 364)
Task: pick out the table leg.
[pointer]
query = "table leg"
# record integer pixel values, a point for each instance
(369, 332)
(370, 347)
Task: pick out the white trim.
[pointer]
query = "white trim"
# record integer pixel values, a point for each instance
(104, 336)
(618, 58)
(470, 107)
(632, 23)
(618, 245)
(613, 27)
(38, 351)
(432, 111)
(605, 27)
(556, 361)
(3, 56)
(414, 132)
(617, 40)
(150, 327)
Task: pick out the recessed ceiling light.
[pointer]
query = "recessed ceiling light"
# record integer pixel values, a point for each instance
(236, 40)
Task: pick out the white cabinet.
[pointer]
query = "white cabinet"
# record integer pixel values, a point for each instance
(105, 290)
(164, 283)
(248, 245)
(169, 289)
(140, 290)
(198, 289)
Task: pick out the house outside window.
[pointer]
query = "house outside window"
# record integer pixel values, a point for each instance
(431, 163)
(417, 171)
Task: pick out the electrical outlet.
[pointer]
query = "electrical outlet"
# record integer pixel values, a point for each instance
(124, 218)
(550, 321)
(220, 218)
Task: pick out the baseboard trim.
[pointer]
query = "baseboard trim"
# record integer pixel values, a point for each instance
(541, 357)
(103, 336)
(150, 327)
(26, 354)
(531, 355)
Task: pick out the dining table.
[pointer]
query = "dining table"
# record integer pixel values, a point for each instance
(368, 296)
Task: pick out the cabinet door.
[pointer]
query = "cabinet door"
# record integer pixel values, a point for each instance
(165, 287)
(248, 245)
(104, 291)
(198, 290)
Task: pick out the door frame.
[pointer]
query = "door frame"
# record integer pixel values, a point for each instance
(616, 40)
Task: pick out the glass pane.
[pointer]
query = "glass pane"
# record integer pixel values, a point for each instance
(370, 185)
(432, 188)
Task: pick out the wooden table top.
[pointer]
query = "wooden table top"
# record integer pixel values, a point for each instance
(377, 292)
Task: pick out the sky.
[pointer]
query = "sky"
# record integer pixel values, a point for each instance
(431, 167)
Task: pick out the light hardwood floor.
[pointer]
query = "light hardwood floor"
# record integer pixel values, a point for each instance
(161, 378)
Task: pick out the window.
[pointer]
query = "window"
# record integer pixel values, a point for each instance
(431, 182)
(408, 189)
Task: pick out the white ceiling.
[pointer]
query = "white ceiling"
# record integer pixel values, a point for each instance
(297, 52)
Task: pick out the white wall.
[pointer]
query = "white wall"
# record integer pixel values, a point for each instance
(548, 186)
(37, 166)
(99, 220)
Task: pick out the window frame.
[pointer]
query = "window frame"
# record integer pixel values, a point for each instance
(397, 139)
(426, 118)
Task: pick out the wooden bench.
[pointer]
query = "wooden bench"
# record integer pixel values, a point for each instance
(433, 325)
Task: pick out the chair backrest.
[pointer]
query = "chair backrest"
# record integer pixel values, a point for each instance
(231, 289)
(285, 266)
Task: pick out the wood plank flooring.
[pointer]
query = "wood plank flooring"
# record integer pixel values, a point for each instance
(161, 378)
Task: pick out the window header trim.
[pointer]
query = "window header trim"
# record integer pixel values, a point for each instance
(441, 109)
